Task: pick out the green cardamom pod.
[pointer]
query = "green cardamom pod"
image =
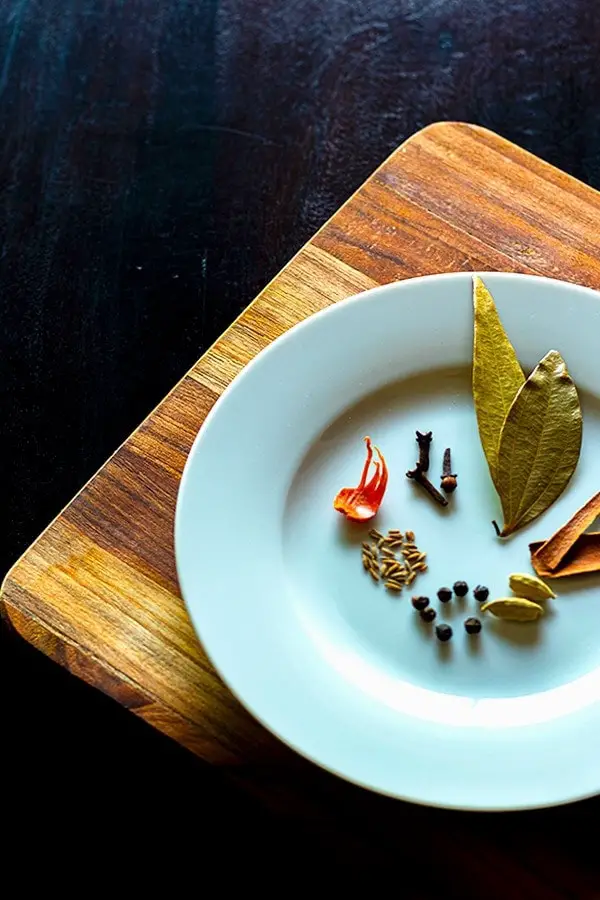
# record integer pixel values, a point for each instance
(517, 609)
(529, 586)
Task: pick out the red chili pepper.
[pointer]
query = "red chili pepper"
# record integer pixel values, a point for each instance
(362, 502)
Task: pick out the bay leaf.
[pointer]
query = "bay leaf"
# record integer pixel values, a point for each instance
(497, 375)
(540, 443)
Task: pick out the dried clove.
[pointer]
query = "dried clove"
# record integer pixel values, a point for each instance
(448, 477)
(421, 478)
(424, 442)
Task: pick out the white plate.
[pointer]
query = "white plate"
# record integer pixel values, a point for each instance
(333, 665)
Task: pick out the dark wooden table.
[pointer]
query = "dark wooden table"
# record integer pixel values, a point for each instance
(160, 162)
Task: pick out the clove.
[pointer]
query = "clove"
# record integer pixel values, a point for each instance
(417, 474)
(448, 477)
(424, 442)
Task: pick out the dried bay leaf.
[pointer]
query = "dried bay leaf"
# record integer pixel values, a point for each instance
(530, 429)
(497, 375)
(515, 609)
(540, 443)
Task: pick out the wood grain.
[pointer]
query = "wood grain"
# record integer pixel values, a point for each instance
(98, 592)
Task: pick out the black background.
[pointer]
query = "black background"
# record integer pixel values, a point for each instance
(160, 162)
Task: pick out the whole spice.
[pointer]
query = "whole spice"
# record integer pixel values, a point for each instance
(424, 442)
(420, 603)
(421, 478)
(428, 615)
(380, 561)
(584, 557)
(481, 593)
(393, 585)
(461, 588)
(443, 633)
(530, 587)
(553, 551)
(497, 375)
(415, 556)
(444, 595)
(530, 429)
(362, 502)
(539, 445)
(448, 478)
(369, 560)
(517, 609)
(472, 625)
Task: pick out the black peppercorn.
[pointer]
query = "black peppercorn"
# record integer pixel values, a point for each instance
(481, 593)
(449, 484)
(443, 633)
(428, 615)
(420, 602)
(444, 594)
(461, 588)
(472, 625)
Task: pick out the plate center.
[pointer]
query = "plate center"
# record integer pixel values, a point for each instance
(350, 616)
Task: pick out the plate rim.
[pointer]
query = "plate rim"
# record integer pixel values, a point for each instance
(360, 297)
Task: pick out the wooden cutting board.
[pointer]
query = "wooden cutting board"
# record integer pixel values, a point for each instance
(98, 593)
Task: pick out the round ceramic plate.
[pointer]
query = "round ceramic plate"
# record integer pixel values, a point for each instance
(334, 665)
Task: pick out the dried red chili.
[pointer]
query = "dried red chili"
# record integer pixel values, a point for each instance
(362, 502)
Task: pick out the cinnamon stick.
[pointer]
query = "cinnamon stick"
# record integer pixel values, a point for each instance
(551, 552)
(584, 556)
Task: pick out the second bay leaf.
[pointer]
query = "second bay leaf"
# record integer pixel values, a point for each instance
(540, 443)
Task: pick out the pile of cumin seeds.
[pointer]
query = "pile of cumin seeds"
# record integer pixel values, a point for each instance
(393, 559)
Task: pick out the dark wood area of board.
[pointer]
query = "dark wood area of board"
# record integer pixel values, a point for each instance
(160, 162)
